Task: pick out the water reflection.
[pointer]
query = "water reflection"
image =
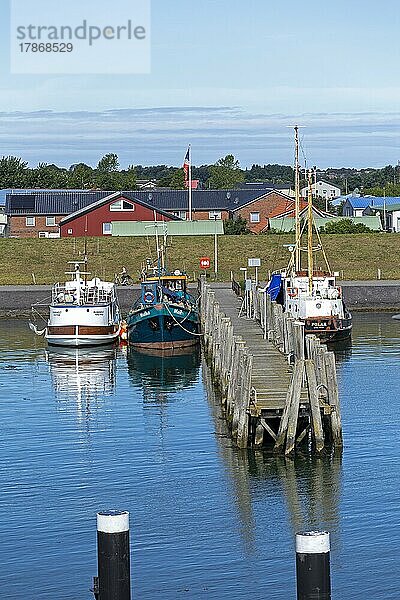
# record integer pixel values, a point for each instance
(162, 377)
(83, 375)
(309, 486)
(343, 351)
(161, 374)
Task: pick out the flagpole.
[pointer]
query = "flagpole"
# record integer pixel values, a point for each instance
(190, 182)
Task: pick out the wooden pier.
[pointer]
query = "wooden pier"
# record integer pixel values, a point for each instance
(277, 388)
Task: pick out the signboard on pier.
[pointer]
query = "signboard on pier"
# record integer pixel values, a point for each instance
(205, 263)
(254, 262)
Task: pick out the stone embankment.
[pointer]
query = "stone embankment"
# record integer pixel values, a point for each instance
(358, 295)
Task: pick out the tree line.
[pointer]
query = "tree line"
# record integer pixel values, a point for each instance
(226, 173)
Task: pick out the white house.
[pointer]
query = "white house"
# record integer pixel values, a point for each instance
(323, 190)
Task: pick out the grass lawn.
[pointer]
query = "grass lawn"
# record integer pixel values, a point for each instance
(357, 256)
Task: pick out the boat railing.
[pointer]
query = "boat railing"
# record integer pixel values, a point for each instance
(87, 296)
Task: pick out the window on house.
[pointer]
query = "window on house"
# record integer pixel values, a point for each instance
(107, 228)
(43, 234)
(181, 214)
(50, 221)
(30, 221)
(70, 232)
(254, 217)
(215, 214)
(122, 205)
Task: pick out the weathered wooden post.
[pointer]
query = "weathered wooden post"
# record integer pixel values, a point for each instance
(313, 566)
(114, 577)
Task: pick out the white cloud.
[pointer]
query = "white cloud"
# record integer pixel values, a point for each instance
(161, 135)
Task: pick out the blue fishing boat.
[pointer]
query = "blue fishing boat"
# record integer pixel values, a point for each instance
(165, 315)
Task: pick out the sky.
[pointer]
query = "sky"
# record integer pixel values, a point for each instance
(227, 77)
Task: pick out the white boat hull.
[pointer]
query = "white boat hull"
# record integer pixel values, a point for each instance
(78, 341)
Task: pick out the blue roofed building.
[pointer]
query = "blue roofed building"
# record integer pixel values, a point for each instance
(361, 206)
(354, 206)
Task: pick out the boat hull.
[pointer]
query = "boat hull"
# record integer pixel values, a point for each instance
(329, 330)
(163, 327)
(79, 339)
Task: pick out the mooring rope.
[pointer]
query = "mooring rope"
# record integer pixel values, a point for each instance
(179, 322)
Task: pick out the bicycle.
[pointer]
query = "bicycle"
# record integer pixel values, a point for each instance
(123, 279)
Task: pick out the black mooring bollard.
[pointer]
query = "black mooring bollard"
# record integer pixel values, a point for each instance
(313, 566)
(114, 575)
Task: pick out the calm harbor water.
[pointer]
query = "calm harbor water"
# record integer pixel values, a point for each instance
(86, 430)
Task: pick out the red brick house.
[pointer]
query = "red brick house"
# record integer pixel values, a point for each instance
(77, 213)
(38, 213)
(257, 212)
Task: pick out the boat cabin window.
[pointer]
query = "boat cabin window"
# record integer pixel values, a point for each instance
(175, 285)
(173, 289)
(331, 282)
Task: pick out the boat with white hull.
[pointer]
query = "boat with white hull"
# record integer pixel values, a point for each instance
(82, 312)
(310, 295)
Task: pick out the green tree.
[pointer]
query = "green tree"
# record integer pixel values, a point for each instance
(345, 226)
(48, 177)
(177, 181)
(81, 176)
(14, 172)
(108, 164)
(129, 178)
(225, 174)
(389, 189)
(236, 226)
(107, 175)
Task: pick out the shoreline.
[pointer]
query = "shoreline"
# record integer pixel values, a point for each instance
(367, 296)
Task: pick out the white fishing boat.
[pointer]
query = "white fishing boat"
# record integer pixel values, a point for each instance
(83, 312)
(310, 295)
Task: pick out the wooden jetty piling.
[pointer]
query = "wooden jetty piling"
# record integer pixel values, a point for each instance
(114, 577)
(277, 386)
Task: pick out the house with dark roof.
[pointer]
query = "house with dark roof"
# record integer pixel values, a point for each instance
(267, 186)
(260, 210)
(96, 219)
(40, 214)
(254, 205)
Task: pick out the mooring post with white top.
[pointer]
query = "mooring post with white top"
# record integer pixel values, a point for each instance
(313, 566)
(114, 576)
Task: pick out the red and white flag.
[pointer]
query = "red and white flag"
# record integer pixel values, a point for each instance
(186, 165)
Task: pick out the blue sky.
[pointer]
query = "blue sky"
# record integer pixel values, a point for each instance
(226, 76)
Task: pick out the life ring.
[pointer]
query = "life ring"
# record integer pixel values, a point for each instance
(292, 292)
(69, 298)
(148, 297)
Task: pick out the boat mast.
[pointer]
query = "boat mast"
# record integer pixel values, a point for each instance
(310, 237)
(297, 264)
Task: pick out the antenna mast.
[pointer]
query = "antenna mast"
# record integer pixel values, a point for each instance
(310, 238)
(297, 200)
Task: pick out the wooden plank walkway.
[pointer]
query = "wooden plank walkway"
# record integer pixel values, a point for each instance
(266, 399)
(271, 373)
